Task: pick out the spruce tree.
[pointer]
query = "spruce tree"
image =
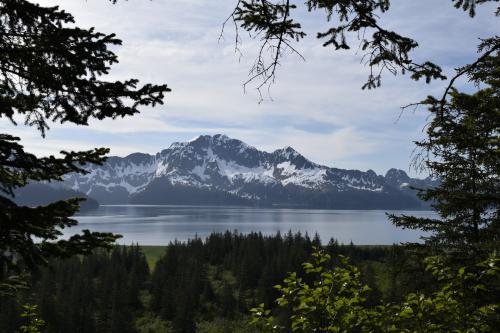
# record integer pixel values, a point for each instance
(462, 150)
(52, 71)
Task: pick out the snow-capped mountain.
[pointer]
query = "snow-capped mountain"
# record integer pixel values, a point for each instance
(220, 170)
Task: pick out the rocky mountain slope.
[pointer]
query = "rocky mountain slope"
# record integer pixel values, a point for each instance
(220, 170)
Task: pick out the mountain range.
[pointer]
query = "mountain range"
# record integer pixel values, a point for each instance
(218, 170)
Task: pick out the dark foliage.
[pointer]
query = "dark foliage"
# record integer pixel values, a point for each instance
(462, 150)
(96, 293)
(216, 280)
(226, 275)
(51, 71)
(201, 286)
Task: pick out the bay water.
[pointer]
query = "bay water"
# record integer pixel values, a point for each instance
(161, 224)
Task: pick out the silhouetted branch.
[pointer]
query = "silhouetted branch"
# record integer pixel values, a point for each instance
(272, 24)
(465, 70)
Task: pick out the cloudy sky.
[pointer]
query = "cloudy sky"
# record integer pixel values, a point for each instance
(318, 106)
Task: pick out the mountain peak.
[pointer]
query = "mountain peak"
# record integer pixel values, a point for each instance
(206, 139)
(199, 138)
(396, 173)
(287, 152)
(221, 137)
(396, 177)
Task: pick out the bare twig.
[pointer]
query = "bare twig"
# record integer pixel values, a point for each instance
(237, 38)
(276, 33)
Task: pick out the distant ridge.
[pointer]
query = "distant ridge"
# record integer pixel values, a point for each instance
(42, 193)
(218, 170)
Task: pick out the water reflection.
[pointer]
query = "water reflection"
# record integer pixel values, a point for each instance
(158, 225)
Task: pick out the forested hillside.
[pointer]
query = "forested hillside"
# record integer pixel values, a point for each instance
(198, 286)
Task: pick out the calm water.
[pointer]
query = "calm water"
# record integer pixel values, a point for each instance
(158, 225)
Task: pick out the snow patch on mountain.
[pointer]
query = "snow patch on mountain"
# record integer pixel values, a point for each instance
(307, 177)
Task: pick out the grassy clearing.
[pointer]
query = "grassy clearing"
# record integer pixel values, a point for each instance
(152, 253)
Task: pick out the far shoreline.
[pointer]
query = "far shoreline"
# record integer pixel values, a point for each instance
(276, 206)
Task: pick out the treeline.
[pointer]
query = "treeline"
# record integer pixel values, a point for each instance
(197, 286)
(95, 293)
